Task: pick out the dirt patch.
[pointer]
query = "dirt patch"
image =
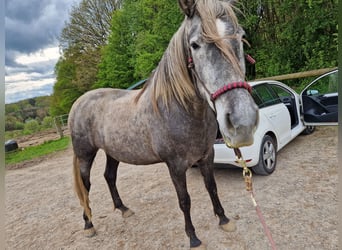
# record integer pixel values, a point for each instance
(39, 138)
(298, 201)
(34, 140)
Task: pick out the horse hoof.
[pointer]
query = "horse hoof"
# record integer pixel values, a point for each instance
(127, 213)
(229, 227)
(200, 247)
(90, 232)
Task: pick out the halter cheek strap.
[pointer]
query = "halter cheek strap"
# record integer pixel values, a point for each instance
(222, 90)
(190, 63)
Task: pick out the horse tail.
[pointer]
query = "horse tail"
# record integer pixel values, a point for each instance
(80, 189)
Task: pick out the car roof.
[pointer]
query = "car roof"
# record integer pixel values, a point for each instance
(258, 82)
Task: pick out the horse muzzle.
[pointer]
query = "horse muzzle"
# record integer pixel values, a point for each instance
(239, 139)
(238, 118)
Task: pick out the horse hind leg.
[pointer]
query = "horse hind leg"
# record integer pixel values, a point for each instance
(110, 175)
(82, 184)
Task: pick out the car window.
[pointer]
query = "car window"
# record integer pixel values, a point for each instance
(264, 96)
(256, 97)
(281, 92)
(324, 85)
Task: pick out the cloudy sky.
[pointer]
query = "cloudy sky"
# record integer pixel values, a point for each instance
(32, 28)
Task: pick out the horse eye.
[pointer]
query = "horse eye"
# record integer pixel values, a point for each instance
(194, 45)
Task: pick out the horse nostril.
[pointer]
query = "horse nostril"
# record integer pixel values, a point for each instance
(229, 122)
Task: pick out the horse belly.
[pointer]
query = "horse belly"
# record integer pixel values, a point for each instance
(132, 150)
(127, 136)
(132, 156)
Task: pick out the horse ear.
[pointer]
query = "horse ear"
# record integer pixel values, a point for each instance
(187, 6)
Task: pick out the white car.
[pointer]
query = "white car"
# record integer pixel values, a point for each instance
(282, 118)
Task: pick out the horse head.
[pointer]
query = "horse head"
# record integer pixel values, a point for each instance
(214, 41)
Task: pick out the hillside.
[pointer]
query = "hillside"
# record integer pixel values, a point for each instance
(16, 114)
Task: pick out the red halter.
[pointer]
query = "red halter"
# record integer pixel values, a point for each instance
(228, 87)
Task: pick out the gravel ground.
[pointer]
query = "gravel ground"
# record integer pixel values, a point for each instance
(298, 201)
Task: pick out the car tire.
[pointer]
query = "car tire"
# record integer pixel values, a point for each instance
(267, 157)
(308, 130)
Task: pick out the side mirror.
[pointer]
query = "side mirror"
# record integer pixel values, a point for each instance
(312, 92)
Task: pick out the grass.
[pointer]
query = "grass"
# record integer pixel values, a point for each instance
(32, 152)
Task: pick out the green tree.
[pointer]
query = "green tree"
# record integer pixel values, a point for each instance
(115, 69)
(89, 24)
(64, 90)
(140, 33)
(291, 36)
(285, 37)
(81, 41)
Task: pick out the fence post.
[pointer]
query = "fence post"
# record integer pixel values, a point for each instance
(59, 127)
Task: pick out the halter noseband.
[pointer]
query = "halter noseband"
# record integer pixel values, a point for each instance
(228, 87)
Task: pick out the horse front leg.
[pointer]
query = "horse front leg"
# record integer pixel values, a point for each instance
(178, 176)
(206, 168)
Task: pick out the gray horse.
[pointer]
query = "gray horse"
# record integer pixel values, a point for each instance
(198, 84)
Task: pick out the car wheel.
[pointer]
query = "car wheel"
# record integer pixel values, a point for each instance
(267, 158)
(308, 130)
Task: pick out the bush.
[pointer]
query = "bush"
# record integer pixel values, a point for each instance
(47, 122)
(19, 126)
(31, 126)
(10, 123)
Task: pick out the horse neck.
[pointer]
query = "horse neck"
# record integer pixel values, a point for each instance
(197, 106)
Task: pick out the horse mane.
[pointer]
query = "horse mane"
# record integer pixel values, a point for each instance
(172, 79)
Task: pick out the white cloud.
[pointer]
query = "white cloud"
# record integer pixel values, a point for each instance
(23, 77)
(32, 29)
(39, 57)
(35, 80)
(26, 86)
(16, 91)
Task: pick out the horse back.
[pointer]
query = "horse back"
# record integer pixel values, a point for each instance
(92, 102)
(88, 116)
